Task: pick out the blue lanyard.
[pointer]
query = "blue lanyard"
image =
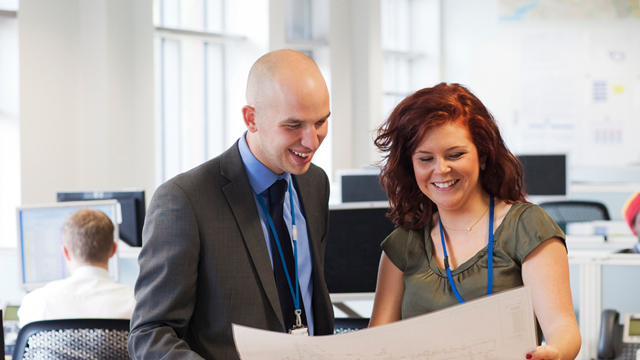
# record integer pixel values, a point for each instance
(294, 236)
(490, 254)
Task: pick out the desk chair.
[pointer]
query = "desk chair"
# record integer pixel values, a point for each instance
(564, 212)
(344, 325)
(74, 339)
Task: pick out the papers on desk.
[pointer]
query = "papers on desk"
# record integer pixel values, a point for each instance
(500, 326)
(603, 228)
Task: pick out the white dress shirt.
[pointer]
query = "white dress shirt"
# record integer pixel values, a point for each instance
(87, 293)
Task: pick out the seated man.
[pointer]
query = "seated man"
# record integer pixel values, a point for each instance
(631, 214)
(88, 244)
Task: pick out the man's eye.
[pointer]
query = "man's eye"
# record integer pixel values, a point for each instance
(320, 123)
(293, 127)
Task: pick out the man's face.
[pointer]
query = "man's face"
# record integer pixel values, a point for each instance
(291, 125)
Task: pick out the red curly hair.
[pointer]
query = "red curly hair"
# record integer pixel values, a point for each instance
(406, 127)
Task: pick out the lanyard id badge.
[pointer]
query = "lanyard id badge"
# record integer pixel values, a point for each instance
(298, 328)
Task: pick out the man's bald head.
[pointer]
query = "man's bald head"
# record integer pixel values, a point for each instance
(284, 67)
(287, 111)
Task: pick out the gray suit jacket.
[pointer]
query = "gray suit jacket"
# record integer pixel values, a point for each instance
(205, 264)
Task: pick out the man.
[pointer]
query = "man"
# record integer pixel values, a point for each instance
(631, 214)
(87, 237)
(210, 256)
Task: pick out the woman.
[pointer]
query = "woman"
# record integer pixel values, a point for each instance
(452, 186)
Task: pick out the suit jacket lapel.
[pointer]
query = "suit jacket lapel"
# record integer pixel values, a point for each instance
(241, 200)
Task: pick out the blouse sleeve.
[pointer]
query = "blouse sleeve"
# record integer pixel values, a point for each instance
(395, 246)
(534, 227)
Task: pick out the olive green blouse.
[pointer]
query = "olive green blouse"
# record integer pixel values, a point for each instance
(426, 286)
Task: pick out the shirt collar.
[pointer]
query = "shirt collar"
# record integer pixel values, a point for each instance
(260, 177)
(91, 271)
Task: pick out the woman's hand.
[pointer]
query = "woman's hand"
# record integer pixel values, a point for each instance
(544, 352)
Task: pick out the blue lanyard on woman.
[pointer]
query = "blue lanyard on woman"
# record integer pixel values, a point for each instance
(490, 254)
(294, 235)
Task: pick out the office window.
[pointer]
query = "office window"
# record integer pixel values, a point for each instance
(189, 71)
(201, 55)
(395, 25)
(9, 123)
(195, 15)
(411, 44)
(299, 19)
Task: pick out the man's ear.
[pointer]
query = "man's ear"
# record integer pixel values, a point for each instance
(113, 250)
(65, 252)
(249, 116)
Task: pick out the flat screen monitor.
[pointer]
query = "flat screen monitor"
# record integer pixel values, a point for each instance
(361, 185)
(353, 250)
(133, 210)
(40, 240)
(545, 176)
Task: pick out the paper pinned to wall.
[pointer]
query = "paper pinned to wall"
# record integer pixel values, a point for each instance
(609, 120)
(576, 96)
(550, 91)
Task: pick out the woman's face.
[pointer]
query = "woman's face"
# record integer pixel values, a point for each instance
(447, 167)
(636, 225)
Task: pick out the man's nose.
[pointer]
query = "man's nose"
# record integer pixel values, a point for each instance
(310, 138)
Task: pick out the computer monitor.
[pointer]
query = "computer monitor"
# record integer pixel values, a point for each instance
(133, 210)
(40, 239)
(545, 176)
(361, 185)
(352, 253)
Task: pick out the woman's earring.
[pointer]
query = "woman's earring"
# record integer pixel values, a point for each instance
(483, 166)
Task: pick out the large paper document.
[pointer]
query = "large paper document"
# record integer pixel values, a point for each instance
(500, 326)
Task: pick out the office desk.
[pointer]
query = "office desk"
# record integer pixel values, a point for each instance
(612, 243)
(591, 263)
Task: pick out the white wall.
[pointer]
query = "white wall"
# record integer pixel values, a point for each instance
(86, 96)
(9, 127)
(366, 65)
(499, 62)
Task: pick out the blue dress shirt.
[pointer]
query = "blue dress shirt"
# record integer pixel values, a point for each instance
(261, 178)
